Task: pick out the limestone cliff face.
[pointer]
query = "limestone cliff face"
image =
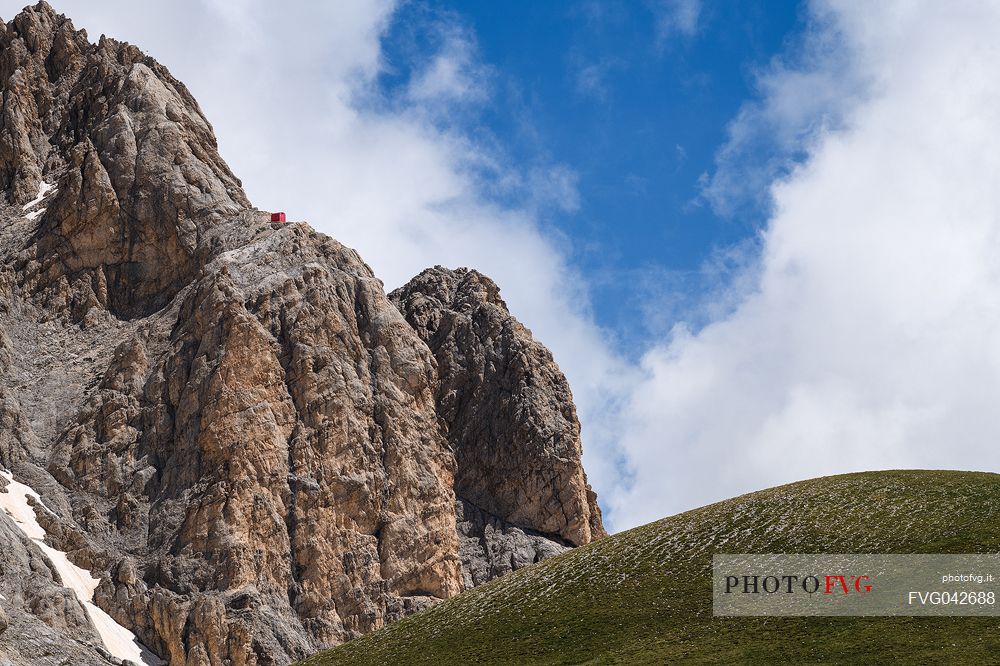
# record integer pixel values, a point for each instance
(510, 420)
(140, 176)
(233, 426)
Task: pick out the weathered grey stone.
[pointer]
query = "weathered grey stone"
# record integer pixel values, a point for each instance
(509, 416)
(491, 547)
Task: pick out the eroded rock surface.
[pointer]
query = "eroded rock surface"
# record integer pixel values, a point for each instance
(234, 427)
(509, 417)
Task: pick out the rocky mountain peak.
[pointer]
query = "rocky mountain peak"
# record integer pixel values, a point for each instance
(61, 92)
(461, 289)
(507, 407)
(251, 448)
(136, 175)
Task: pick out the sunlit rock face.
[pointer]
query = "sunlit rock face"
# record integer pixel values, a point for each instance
(509, 417)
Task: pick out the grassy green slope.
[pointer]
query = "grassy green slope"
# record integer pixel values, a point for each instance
(644, 596)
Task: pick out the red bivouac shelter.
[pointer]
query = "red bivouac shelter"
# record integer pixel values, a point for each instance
(277, 217)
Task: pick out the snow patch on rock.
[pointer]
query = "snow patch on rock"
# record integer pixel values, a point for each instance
(43, 190)
(118, 640)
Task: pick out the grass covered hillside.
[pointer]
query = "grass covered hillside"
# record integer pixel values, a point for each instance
(644, 596)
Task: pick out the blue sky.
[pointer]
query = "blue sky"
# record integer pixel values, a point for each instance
(635, 108)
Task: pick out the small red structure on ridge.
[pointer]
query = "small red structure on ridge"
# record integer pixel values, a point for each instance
(277, 217)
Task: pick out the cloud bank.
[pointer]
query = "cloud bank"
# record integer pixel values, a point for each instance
(869, 337)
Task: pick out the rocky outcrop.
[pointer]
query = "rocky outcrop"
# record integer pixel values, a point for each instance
(491, 547)
(41, 622)
(279, 452)
(234, 427)
(509, 416)
(140, 176)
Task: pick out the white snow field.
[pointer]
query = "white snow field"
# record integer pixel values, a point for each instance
(43, 189)
(118, 640)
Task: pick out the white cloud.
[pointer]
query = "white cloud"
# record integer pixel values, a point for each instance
(676, 17)
(454, 73)
(591, 79)
(869, 336)
(803, 94)
(291, 92)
